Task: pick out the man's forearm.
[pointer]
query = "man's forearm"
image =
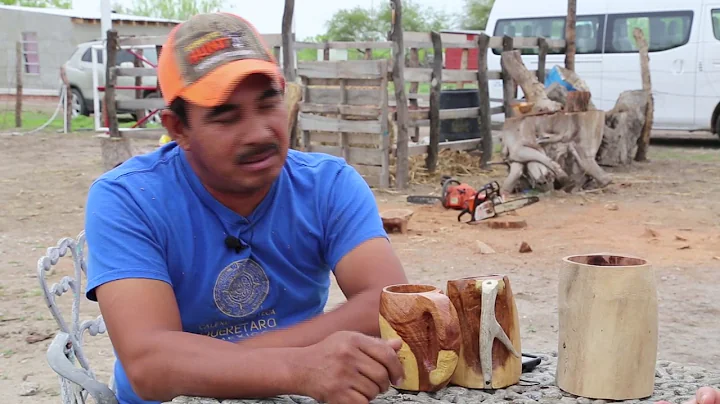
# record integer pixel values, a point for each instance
(360, 313)
(174, 363)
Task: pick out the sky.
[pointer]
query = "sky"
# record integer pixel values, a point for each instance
(310, 15)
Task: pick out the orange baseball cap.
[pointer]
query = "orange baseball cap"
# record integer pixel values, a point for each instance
(205, 57)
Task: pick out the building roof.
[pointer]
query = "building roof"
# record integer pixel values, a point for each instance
(84, 14)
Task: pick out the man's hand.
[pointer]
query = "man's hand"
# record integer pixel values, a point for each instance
(704, 395)
(348, 368)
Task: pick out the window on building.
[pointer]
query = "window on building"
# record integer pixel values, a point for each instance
(716, 23)
(663, 31)
(30, 52)
(589, 32)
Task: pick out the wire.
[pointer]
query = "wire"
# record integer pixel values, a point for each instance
(63, 95)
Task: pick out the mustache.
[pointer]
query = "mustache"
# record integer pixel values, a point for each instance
(254, 151)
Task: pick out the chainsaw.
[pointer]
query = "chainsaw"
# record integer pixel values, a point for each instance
(488, 203)
(455, 195)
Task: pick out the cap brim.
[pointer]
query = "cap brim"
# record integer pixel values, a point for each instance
(216, 87)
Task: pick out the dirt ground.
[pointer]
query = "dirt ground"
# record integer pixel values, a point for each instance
(44, 180)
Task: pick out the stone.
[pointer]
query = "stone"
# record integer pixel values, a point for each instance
(674, 383)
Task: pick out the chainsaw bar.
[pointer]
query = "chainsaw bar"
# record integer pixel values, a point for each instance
(424, 199)
(515, 204)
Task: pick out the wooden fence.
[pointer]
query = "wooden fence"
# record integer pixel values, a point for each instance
(351, 110)
(344, 112)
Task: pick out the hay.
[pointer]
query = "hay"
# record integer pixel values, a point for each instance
(450, 162)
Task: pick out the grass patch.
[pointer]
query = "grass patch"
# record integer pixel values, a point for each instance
(684, 154)
(35, 119)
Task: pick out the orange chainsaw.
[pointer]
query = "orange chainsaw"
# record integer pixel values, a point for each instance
(488, 202)
(455, 195)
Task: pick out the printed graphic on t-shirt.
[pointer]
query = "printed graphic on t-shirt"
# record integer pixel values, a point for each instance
(241, 288)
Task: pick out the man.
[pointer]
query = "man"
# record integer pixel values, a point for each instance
(211, 257)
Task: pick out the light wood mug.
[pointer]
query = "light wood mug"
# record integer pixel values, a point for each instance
(427, 323)
(608, 327)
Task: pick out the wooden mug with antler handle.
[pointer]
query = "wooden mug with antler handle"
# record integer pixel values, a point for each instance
(490, 356)
(427, 323)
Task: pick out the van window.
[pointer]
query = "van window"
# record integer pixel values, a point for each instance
(716, 23)
(589, 32)
(663, 30)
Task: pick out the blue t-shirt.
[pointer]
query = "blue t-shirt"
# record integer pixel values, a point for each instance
(152, 218)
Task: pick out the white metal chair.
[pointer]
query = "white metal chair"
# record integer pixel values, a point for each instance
(65, 352)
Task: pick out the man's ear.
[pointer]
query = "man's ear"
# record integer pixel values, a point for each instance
(176, 128)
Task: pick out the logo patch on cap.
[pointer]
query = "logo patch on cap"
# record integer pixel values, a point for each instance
(204, 44)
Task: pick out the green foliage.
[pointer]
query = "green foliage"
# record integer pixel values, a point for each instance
(361, 24)
(475, 15)
(170, 9)
(38, 3)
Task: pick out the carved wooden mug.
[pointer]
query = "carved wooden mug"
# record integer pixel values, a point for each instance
(427, 323)
(490, 356)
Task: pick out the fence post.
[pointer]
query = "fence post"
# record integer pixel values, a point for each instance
(110, 79)
(435, 88)
(414, 87)
(68, 100)
(137, 62)
(570, 48)
(508, 83)
(484, 101)
(288, 41)
(19, 64)
(402, 173)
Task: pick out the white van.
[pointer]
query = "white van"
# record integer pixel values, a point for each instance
(684, 41)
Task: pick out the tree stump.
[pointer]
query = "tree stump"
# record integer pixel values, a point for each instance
(608, 327)
(396, 220)
(554, 146)
(115, 151)
(623, 127)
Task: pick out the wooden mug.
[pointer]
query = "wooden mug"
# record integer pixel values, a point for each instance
(490, 356)
(608, 327)
(427, 323)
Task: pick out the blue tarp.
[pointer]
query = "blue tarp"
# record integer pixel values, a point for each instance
(555, 77)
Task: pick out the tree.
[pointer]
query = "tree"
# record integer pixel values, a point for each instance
(475, 15)
(38, 3)
(361, 24)
(171, 9)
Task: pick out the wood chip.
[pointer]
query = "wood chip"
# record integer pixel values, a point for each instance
(525, 247)
(484, 248)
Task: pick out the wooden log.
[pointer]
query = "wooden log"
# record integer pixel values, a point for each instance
(533, 89)
(435, 89)
(490, 352)
(414, 86)
(608, 327)
(427, 323)
(624, 126)
(577, 82)
(643, 143)
(396, 220)
(577, 101)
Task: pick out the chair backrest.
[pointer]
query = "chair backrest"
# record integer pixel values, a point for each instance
(74, 329)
